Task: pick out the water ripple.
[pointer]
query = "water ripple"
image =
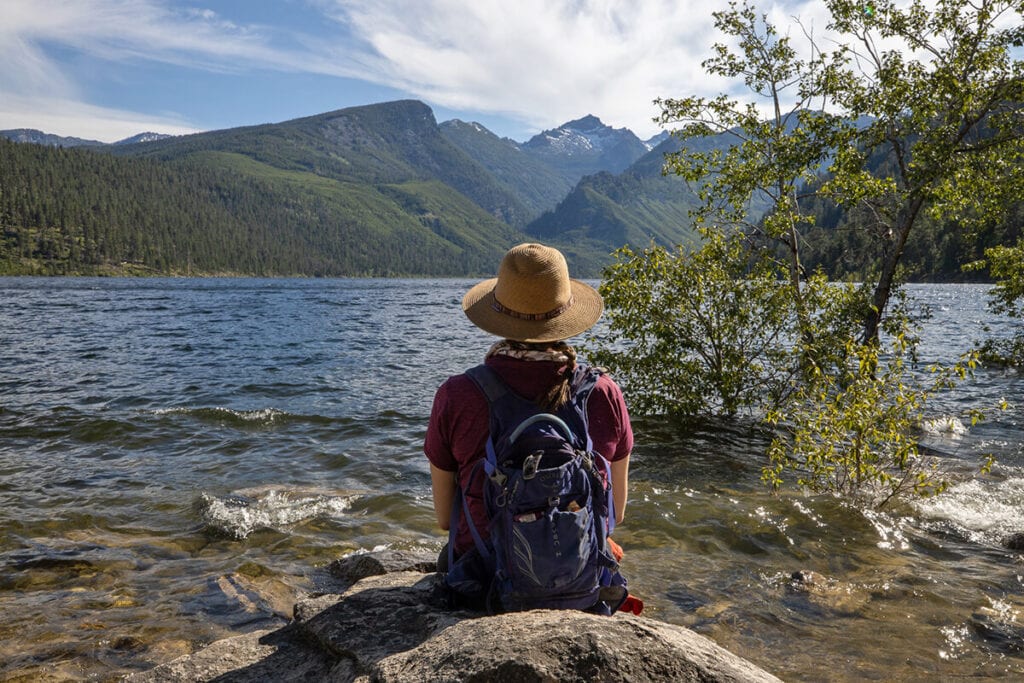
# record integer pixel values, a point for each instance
(178, 455)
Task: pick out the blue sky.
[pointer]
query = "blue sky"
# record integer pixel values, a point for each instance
(107, 69)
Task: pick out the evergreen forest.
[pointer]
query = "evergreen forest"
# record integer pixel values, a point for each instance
(82, 212)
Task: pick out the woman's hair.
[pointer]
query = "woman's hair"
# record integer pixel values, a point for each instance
(559, 393)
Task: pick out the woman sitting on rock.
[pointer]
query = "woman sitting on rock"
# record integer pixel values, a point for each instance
(533, 307)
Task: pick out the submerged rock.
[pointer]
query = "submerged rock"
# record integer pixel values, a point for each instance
(392, 625)
(1015, 541)
(1002, 634)
(805, 577)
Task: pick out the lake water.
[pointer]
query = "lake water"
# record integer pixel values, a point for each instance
(181, 458)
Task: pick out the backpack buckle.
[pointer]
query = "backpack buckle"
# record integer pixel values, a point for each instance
(531, 463)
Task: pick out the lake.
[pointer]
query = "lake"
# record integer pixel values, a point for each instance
(181, 458)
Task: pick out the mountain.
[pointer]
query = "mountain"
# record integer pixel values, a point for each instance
(372, 190)
(390, 146)
(639, 206)
(534, 180)
(636, 207)
(657, 139)
(586, 146)
(143, 137)
(376, 190)
(38, 137)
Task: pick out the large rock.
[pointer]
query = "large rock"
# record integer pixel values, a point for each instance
(394, 626)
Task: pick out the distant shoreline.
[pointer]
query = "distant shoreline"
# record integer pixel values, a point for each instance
(129, 270)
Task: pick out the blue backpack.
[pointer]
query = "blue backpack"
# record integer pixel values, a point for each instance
(549, 504)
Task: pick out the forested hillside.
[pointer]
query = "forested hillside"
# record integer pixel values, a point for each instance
(374, 190)
(75, 211)
(846, 244)
(371, 190)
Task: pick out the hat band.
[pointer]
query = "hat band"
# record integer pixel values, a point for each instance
(512, 313)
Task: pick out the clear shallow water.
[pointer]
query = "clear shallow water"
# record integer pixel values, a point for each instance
(180, 458)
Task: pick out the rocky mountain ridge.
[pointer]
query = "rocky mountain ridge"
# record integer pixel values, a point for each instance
(38, 137)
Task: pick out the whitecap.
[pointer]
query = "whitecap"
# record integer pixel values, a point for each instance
(944, 426)
(984, 510)
(258, 416)
(241, 513)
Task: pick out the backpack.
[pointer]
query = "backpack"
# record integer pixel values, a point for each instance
(549, 503)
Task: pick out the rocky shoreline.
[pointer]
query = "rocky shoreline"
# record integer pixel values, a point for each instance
(388, 622)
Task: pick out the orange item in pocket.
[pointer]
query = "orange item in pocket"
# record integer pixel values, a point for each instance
(616, 550)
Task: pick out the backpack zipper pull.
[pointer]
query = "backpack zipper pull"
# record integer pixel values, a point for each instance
(531, 464)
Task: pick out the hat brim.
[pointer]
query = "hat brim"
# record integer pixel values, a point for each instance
(586, 309)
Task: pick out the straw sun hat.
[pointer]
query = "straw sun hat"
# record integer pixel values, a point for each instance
(533, 299)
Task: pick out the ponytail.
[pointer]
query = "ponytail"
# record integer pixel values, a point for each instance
(560, 392)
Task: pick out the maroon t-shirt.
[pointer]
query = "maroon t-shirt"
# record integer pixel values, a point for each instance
(458, 429)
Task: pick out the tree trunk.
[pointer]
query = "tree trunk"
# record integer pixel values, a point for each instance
(883, 289)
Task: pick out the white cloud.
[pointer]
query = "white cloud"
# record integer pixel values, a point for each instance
(69, 117)
(540, 62)
(36, 92)
(140, 30)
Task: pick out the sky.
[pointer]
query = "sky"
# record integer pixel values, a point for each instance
(108, 69)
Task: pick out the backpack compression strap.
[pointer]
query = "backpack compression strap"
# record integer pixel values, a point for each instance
(460, 505)
(489, 382)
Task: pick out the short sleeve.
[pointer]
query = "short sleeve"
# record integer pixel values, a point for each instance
(437, 444)
(608, 420)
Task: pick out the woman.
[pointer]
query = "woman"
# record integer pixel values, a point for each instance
(533, 306)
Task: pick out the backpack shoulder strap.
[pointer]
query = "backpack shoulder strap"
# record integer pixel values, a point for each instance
(494, 389)
(584, 379)
(490, 383)
(497, 393)
(583, 382)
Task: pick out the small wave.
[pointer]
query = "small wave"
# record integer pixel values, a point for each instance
(984, 511)
(364, 551)
(240, 514)
(261, 417)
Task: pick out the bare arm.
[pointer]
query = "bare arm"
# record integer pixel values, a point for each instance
(620, 487)
(442, 483)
